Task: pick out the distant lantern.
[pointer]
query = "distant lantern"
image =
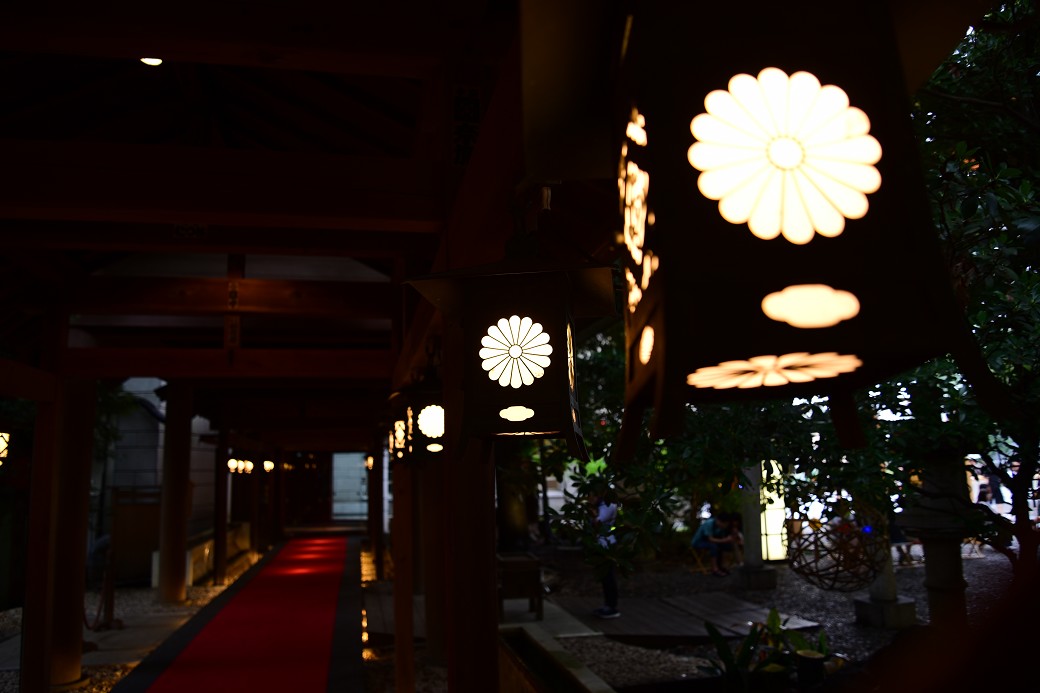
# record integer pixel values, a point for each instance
(777, 239)
(397, 441)
(423, 413)
(517, 319)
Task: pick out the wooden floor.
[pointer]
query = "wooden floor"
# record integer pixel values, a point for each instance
(675, 618)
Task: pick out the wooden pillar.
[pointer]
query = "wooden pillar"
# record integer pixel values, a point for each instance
(278, 497)
(38, 610)
(176, 495)
(220, 508)
(432, 513)
(75, 459)
(468, 488)
(472, 595)
(52, 616)
(253, 484)
(375, 512)
(402, 546)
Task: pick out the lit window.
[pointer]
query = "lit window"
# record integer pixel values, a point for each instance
(785, 155)
(810, 305)
(771, 371)
(515, 351)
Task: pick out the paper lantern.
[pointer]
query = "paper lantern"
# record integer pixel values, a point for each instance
(517, 321)
(777, 236)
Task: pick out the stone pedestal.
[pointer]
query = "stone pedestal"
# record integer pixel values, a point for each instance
(897, 613)
(749, 578)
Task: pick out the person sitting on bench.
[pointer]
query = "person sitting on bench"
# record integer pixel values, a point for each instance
(715, 535)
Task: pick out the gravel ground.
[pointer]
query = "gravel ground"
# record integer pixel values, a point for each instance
(618, 664)
(623, 665)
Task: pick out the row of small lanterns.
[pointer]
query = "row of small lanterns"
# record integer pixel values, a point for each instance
(236, 466)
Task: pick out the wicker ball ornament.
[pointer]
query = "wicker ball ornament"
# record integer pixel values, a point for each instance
(842, 556)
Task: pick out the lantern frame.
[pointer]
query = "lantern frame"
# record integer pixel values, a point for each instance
(498, 307)
(697, 280)
(414, 400)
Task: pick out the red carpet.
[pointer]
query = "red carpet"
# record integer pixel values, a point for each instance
(275, 634)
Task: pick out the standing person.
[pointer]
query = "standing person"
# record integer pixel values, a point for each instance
(605, 509)
(996, 489)
(716, 534)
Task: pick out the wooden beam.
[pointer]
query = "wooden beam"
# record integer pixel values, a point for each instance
(20, 381)
(303, 409)
(213, 296)
(168, 363)
(348, 38)
(481, 218)
(345, 439)
(89, 181)
(107, 236)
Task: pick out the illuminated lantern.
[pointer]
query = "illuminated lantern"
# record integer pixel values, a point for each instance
(397, 439)
(777, 236)
(5, 442)
(423, 414)
(517, 320)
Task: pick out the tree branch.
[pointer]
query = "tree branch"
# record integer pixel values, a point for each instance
(996, 105)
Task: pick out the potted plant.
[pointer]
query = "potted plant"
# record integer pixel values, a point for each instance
(772, 658)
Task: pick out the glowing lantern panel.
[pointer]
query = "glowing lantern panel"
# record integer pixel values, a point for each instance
(785, 155)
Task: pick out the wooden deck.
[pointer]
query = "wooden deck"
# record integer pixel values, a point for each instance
(674, 618)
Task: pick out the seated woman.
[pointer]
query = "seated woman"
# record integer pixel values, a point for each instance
(715, 535)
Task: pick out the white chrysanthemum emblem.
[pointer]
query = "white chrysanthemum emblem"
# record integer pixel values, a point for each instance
(770, 371)
(785, 155)
(515, 351)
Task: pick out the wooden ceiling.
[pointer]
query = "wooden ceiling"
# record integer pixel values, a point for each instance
(243, 216)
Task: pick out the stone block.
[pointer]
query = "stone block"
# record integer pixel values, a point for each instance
(896, 614)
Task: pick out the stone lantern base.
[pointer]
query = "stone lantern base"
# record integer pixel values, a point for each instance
(896, 614)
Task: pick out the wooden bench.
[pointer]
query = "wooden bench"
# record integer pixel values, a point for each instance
(520, 576)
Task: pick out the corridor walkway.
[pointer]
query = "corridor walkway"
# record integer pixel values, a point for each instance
(290, 623)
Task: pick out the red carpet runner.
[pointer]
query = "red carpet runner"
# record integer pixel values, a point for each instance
(273, 635)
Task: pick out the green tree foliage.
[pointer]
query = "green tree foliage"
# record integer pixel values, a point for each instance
(978, 124)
